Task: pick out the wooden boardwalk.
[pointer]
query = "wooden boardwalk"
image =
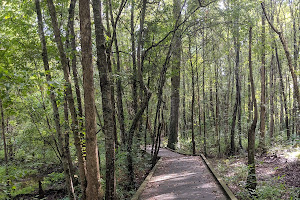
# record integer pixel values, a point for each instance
(181, 177)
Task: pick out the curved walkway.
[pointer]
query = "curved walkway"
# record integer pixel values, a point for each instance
(181, 177)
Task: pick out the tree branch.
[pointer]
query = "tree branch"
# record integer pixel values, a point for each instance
(272, 26)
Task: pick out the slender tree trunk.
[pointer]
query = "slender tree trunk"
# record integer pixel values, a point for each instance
(105, 84)
(193, 99)
(5, 150)
(64, 159)
(296, 118)
(217, 112)
(288, 56)
(3, 132)
(283, 95)
(237, 98)
(227, 110)
(183, 102)
(119, 82)
(175, 80)
(109, 65)
(262, 139)
(133, 55)
(204, 100)
(72, 39)
(67, 138)
(251, 178)
(240, 122)
(272, 90)
(93, 189)
(198, 93)
(64, 63)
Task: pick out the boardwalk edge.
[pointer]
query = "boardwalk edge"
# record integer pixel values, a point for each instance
(145, 182)
(225, 188)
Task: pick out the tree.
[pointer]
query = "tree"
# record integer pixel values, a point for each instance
(93, 189)
(105, 84)
(251, 178)
(63, 153)
(288, 56)
(193, 100)
(175, 80)
(64, 64)
(263, 88)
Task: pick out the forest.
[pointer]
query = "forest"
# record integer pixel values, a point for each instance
(91, 90)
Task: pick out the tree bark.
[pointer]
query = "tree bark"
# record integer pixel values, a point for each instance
(119, 82)
(64, 63)
(283, 95)
(251, 178)
(262, 139)
(183, 102)
(175, 80)
(67, 138)
(217, 111)
(198, 92)
(72, 38)
(272, 89)
(3, 132)
(238, 95)
(288, 56)
(133, 55)
(67, 170)
(109, 65)
(193, 100)
(93, 189)
(105, 84)
(203, 93)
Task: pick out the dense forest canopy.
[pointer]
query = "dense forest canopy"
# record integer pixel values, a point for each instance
(86, 85)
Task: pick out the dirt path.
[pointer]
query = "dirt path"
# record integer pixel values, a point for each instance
(181, 177)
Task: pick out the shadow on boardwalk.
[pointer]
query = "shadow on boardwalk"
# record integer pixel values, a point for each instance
(181, 177)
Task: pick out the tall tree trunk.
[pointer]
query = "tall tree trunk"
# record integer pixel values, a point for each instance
(3, 132)
(251, 178)
(203, 93)
(105, 84)
(8, 187)
(240, 121)
(236, 105)
(64, 63)
(288, 56)
(283, 95)
(175, 80)
(67, 138)
(72, 39)
(119, 82)
(109, 65)
(193, 99)
(272, 90)
(144, 99)
(183, 102)
(296, 118)
(133, 55)
(227, 110)
(198, 92)
(238, 96)
(262, 139)
(217, 111)
(67, 171)
(93, 189)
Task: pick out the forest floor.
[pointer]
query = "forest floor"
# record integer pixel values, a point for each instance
(277, 171)
(181, 177)
(24, 178)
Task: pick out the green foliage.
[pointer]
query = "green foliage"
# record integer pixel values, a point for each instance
(53, 179)
(19, 179)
